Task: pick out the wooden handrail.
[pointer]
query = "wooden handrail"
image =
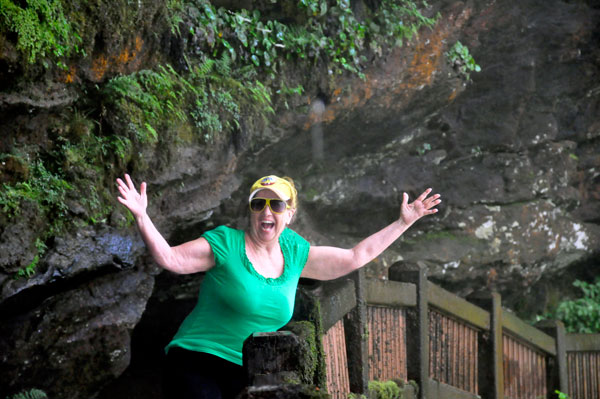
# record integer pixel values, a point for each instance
(582, 342)
(390, 293)
(528, 333)
(483, 314)
(458, 307)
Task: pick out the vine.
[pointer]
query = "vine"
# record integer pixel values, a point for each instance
(331, 31)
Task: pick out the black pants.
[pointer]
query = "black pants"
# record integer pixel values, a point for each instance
(198, 375)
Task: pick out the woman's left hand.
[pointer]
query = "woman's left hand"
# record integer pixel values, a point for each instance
(328, 263)
(422, 206)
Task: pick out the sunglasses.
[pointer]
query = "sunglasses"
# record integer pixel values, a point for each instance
(276, 205)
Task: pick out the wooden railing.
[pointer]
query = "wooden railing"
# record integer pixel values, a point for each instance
(387, 343)
(411, 329)
(336, 362)
(583, 365)
(525, 353)
(453, 352)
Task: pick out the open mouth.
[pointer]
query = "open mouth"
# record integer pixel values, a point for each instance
(267, 225)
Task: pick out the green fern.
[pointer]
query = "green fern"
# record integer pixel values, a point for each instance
(30, 394)
(43, 187)
(204, 68)
(213, 96)
(41, 27)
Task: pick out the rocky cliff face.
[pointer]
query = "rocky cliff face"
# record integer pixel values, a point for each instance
(514, 152)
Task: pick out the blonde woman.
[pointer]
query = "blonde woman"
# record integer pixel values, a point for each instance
(251, 279)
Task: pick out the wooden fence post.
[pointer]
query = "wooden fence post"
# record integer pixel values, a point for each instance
(491, 367)
(417, 326)
(557, 368)
(357, 344)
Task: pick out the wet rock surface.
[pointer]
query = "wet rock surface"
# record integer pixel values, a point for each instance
(58, 340)
(514, 152)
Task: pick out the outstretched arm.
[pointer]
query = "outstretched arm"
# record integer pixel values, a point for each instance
(327, 263)
(190, 257)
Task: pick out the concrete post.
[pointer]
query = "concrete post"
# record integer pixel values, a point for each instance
(417, 326)
(357, 345)
(491, 354)
(557, 367)
(282, 364)
(274, 358)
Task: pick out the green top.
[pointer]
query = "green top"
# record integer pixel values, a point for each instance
(236, 301)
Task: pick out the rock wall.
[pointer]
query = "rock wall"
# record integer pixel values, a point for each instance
(514, 152)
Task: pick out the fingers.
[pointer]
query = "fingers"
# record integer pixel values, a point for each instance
(123, 191)
(426, 204)
(424, 195)
(129, 182)
(432, 201)
(128, 185)
(125, 185)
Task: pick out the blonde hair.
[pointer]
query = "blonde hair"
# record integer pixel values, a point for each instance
(294, 198)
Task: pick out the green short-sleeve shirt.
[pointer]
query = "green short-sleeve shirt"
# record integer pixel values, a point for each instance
(235, 300)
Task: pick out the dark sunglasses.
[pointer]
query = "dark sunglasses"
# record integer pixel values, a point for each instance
(276, 205)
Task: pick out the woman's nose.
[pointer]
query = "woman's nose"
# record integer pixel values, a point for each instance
(267, 209)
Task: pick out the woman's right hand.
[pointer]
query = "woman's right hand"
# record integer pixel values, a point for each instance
(189, 257)
(134, 201)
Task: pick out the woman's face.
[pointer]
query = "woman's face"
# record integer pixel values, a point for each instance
(266, 225)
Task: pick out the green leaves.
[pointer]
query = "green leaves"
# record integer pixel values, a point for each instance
(156, 97)
(384, 390)
(42, 187)
(30, 394)
(581, 315)
(330, 31)
(212, 96)
(423, 149)
(313, 8)
(461, 60)
(221, 99)
(42, 30)
(47, 191)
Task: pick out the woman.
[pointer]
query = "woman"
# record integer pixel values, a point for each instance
(251, 279)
